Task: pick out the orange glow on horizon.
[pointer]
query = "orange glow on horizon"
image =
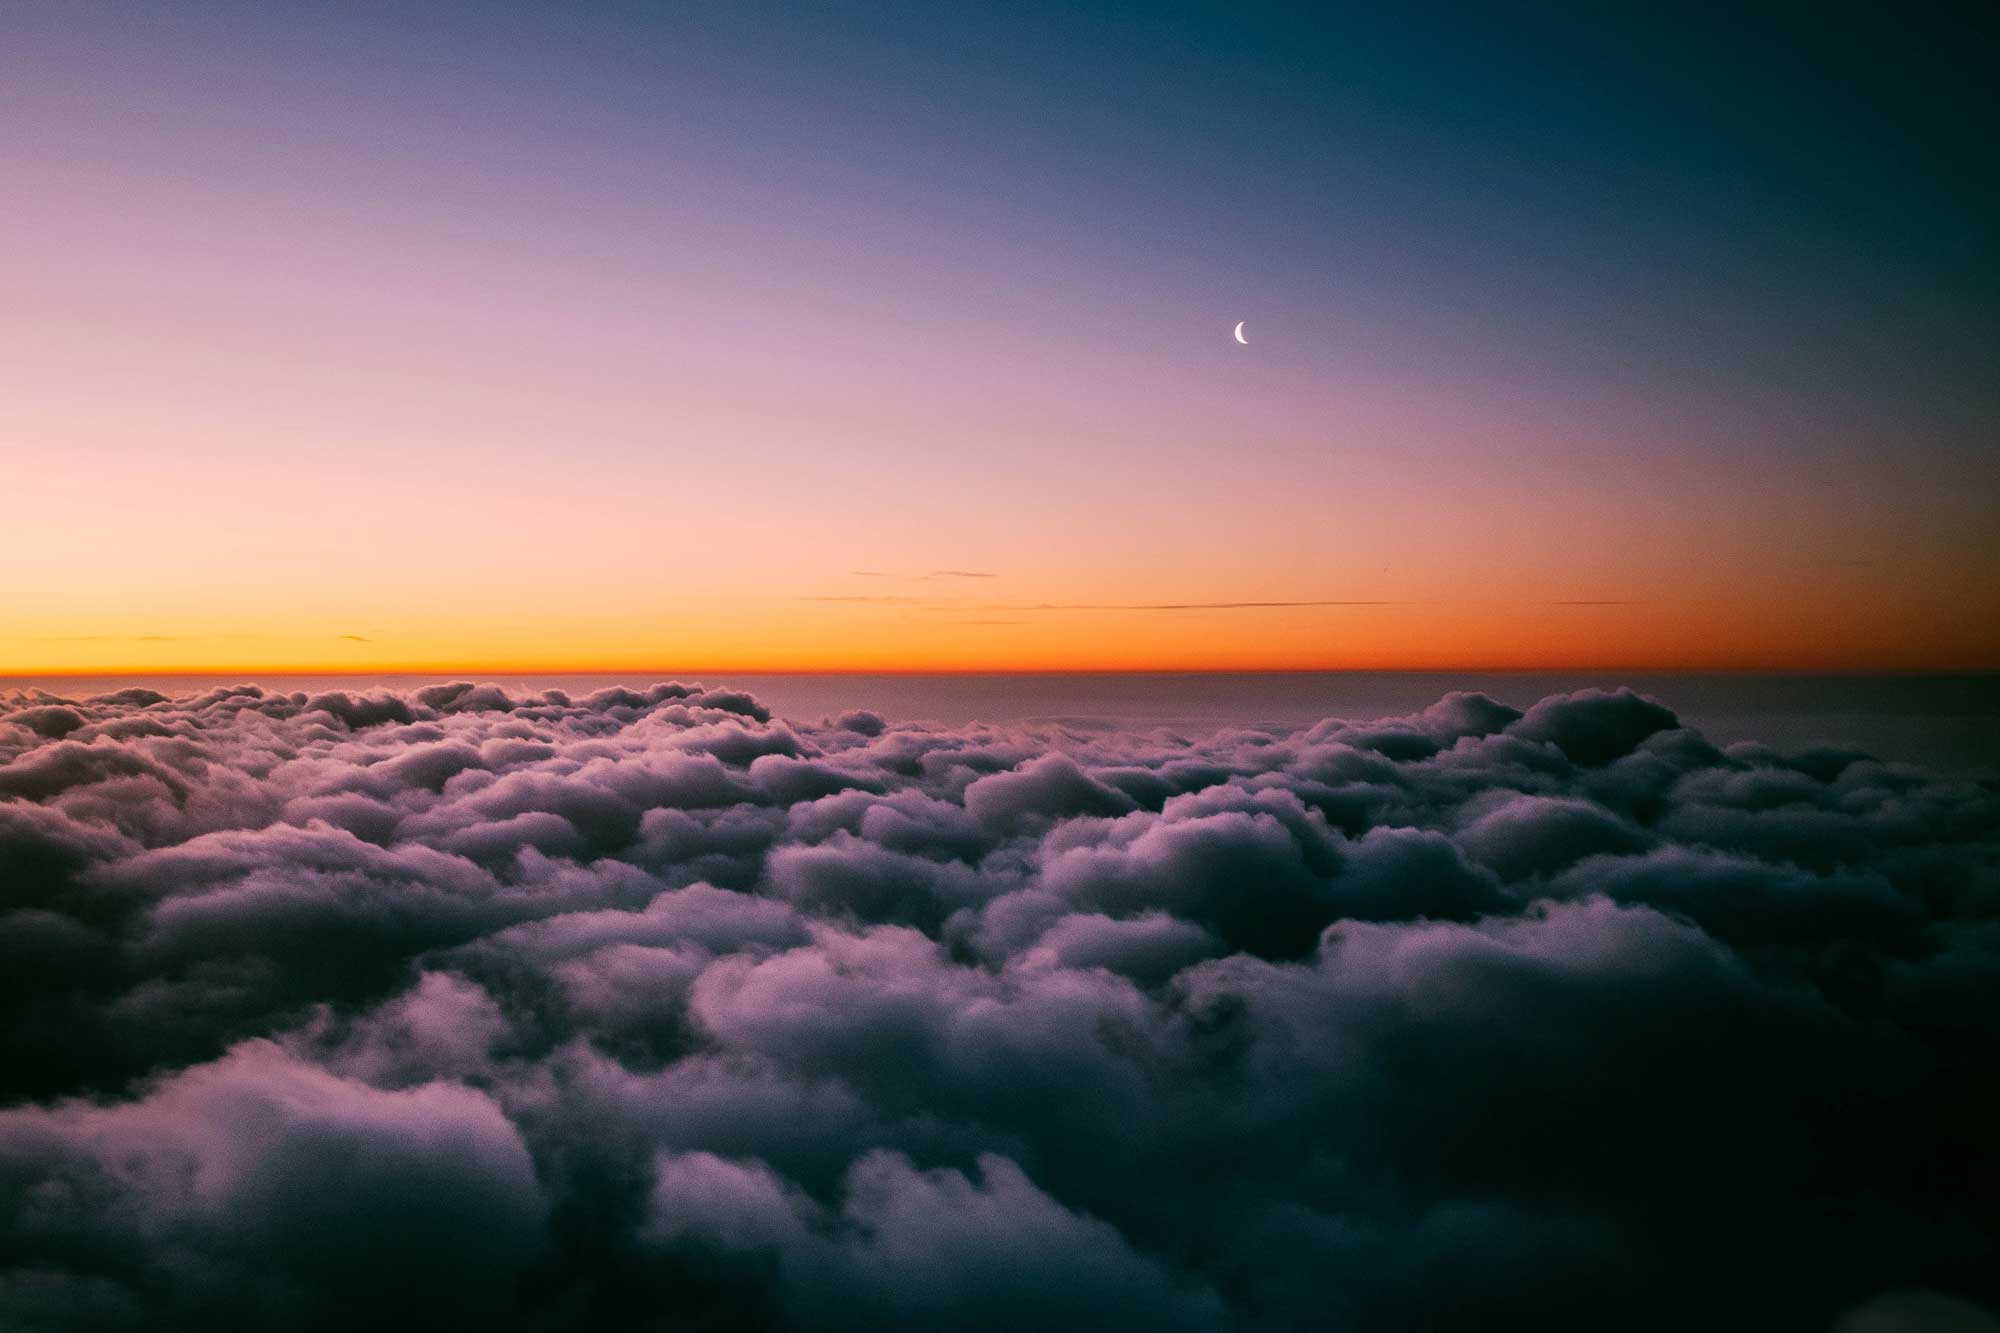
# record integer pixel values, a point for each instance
(1804, 635)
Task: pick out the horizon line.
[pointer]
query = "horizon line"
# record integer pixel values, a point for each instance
(463, 671)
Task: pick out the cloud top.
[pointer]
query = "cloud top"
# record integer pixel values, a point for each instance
(648, 1008)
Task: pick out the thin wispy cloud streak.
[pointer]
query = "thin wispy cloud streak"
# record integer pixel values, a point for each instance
(1191, 606)
(887, 598)
(647, 1008)
(892, 598)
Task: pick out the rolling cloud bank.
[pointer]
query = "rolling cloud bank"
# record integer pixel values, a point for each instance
(648, 1010)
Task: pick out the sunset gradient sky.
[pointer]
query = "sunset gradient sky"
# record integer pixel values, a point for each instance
(881, 337)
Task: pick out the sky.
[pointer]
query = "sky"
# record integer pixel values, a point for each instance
(884, 337)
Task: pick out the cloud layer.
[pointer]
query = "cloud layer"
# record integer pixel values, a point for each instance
(648, 1010)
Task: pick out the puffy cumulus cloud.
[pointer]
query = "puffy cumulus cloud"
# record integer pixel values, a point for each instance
(927, 1249)
(646, 1009)
(1918, 1312)
(262, 1179)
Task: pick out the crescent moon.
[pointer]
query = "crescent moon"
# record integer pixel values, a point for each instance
(1239, 332)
